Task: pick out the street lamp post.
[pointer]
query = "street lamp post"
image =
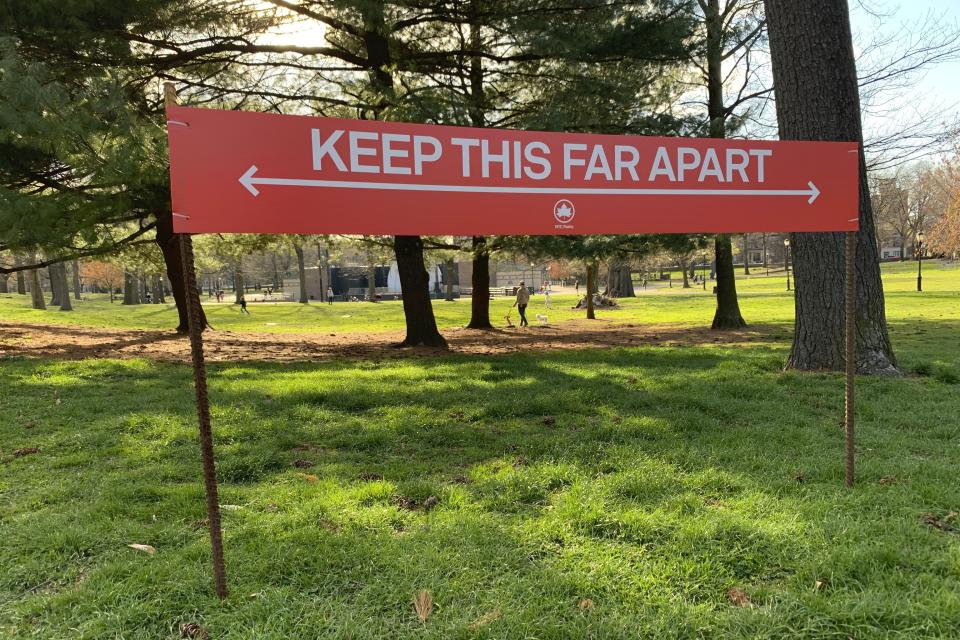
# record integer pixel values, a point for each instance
(786, 259)
(919, 239)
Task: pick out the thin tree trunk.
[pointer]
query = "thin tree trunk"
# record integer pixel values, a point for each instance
(36, 291)
(371, 279)
(302, 271)
(591, 287)
(817, 98)
(415, 283)
(4, 288)
(76, 279)
(686, 274)
(169, 245)
(21, 277)
(448, 273)
(728, 314)
(323, 268)
(746, 255)
(480, 282)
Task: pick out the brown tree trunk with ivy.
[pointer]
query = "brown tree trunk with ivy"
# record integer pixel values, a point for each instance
(818, 98)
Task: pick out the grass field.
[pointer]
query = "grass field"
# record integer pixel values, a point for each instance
(592, 494)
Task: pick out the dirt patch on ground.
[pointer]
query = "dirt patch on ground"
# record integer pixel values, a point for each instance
(77, 343)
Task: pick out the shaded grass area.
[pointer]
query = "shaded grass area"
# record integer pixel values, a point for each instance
(762, 300)
(648, 481)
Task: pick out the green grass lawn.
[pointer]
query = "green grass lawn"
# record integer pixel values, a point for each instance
(582, 494)
(762, 300)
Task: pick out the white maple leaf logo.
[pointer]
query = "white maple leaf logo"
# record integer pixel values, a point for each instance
(563, 211)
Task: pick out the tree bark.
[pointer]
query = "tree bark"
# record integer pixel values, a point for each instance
(36, 291)
(480, 282)
(131, 294)
(685, 271)
(21, 277)
(302, 271)
(371, 279)
(3, 283)
(63, 287)
(415, 284)
(169, 245)
(620, 280)
(746, 255)
(75, 268)
(448, 273)
(817, 98)
(728, 314)
(591, 287)
(728, 307)
(54, 275)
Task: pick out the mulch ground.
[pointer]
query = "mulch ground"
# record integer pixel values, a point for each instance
(77, 343)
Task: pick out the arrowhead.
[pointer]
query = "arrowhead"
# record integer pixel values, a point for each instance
(814, 192)
(247, 180)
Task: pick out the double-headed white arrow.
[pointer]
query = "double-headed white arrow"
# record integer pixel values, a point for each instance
(249, 182)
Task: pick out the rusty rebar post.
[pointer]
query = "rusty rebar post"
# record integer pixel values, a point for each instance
(192, 299)
(850, 308)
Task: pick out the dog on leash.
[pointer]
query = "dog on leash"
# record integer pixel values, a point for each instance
(542, 319)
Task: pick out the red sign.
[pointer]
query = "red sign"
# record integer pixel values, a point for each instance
(241, 172)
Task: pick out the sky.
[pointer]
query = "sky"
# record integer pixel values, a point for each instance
(942, 83)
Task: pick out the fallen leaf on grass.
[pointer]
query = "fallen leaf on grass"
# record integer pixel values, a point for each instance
(431, 502)
(549, 420)
(888, 480)
(301, 463)
(585, 604)
(423, 604)
(230, 507)
(817, 585)
(461, 479)
(143, 547)
(193, 630)
(25, 451)
(371, 477)
(310, 478)
(485, 619)
(738, 598)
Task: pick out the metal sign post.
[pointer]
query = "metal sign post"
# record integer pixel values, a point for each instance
(192, 298)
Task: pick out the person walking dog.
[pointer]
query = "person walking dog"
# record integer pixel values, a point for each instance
(523, 299)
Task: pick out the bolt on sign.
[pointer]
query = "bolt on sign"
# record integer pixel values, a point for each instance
(243, 172)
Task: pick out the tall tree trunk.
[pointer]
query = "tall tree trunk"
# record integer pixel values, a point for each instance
(131, 295)
(686, 274)
(764, 240)
(156, 288)
(728, 314)
(36, 291)
(75, 268)
(415, 283)
(53, 273)
(302, 271)
(746, 255)
(728, 308)
(169, 244)
(4, 288)
(323, 260)
(591, 287)
(21, 277)
(239, 286)
(818, 98)
(371, 279)
(448, 274)
(620, 280)
(63, 285)
(480, 282)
